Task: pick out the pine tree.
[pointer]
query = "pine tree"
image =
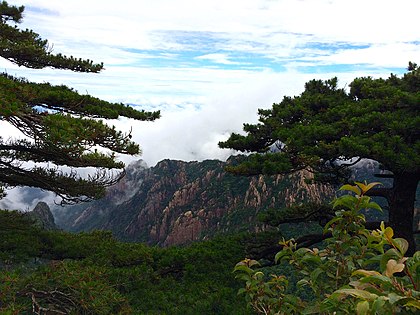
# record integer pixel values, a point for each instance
(60, 126)
(325, 127)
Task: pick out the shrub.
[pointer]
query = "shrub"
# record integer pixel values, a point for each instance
(356, 271)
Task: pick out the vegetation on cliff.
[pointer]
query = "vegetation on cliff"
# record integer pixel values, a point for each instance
(178, 202)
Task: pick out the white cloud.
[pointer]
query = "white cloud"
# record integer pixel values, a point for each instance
(25, 198)
(134, 23)
(377, 55)
(217, 58)
(193, 133)
(154, 53)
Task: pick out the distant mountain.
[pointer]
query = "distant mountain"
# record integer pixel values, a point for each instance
(25, 198)
(177, 202)
(42, 216)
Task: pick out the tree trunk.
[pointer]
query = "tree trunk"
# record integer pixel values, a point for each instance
(401, 207)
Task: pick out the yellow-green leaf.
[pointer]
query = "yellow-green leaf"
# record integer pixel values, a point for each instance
(361, 186)
(366, 187)
(358, 293)
(364, 272)
(354, 189)
(362, 308)
(413, 303)
(389, 232)
(371, 185)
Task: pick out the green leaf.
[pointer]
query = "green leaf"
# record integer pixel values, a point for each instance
(393, 297)
(378, 304)
(377, 279)
(243, 268)
(413, 265)
(346, 201)
(311, 259)
(315, 274)
(358, 293)
(259, 275)
(302, 251)
(281, 255)
(362, 308)
(401, 244)
(241, 291)
(382, 226)
(311, 309)
(374, 205)
(302, 283)
(243, 276)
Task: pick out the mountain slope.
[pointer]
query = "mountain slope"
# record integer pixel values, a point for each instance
(177, 202)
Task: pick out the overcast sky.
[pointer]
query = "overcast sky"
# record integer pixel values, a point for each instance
(208, 65)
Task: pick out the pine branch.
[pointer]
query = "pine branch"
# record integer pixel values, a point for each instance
(26, 48)
(69, 186)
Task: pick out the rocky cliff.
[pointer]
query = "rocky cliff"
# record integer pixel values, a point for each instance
(42, 216)
(177, 202)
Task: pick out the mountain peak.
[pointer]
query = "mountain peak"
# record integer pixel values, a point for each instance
(43, 216)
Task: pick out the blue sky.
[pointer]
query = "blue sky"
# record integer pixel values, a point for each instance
(208, 65)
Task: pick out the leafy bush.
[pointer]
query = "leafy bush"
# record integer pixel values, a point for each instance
(92, 273)
(357, 270)
(17, 243)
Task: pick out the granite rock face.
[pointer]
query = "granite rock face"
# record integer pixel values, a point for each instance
(177, 202)
(43, 216)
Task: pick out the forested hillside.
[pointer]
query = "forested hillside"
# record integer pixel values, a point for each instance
(92, 273)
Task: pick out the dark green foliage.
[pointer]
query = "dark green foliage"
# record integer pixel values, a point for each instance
(92, 273)
(326, 126)
(26, 48)
(62, 125)
(297, 213)
(377, 119)
(17, 242)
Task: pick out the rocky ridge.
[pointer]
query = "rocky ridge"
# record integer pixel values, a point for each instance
(177, 202)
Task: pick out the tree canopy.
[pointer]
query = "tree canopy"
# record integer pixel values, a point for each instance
(327, 129)
(60, 126)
